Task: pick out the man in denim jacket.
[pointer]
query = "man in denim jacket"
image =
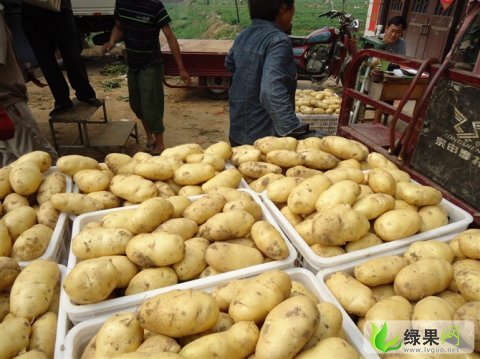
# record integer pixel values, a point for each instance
(262, 94)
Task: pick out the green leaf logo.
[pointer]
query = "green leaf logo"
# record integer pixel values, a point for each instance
(378, 337)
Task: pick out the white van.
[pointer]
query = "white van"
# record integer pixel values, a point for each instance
(94, 16)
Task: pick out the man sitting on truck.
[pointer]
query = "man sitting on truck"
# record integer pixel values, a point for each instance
(139, 23)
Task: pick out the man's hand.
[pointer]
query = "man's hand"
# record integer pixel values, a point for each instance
(107, 47)
(185, 76)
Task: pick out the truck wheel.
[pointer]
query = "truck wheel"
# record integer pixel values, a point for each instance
(218, 93)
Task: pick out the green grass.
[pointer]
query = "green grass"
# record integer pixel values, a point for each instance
(193, 18)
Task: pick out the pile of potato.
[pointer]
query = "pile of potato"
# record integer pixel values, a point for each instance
(325, 102)
(432, 281)
(268, 316)
(122, 180)
(28, 215)
(321, 188)
(29, 301)
(166, 241)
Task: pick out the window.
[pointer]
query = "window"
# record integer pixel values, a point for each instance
(420, 6)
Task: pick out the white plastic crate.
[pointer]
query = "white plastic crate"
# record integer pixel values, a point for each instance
(63, 323)
(59, 235)
(78, 313)
(78, 338)
(458, 221)
(324, 274)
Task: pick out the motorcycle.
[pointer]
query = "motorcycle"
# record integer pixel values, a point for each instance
(327, 51)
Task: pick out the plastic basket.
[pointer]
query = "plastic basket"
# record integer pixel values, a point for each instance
(323, 123)
(78, 313)
(59, 236)
(80, 335)
(324, 274)
(459, 221)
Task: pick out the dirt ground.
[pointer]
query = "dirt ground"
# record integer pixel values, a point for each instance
(190, 115)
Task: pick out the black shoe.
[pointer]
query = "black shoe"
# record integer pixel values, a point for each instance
(95, 102)
(58, 110)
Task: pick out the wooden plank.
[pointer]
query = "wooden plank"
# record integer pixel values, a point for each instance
(113, 134)
(81, 112)
(202, 45)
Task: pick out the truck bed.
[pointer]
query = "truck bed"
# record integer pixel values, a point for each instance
(93, 7)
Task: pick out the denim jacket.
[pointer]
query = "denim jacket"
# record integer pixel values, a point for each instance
(262, 94)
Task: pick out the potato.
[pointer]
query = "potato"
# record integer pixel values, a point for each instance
(141, 157)
(225, 292)
(158, 343)
(432, 308)
(284, 158)
(47, 215)
(15, 336)
(258, 296)
(218, 163)
(471, 311)
(164, 189)
(5, 241)
(433, 217)
(326, 251)
(279, 190)
(305, 230)
(191, 191)
(121, 333)
(44, 332)
(4, 305)
(381, 181)
(366, 241)
(204, 208)
(258, 169)
(243, 204)
(377, 160)
(156, 249)
(342, 192)
(399, 175)
(401, 204)
(346, 173)
(236, 343)
(245, 154)
(32, 243)
(150, 214)
(418, 195)
(270, 143)
(330, 324)
(25, 178)
(154, 170)
(423, 278)
(354, 296)
(261, 184)
(378, 271)
(393, 308)
(269, 240)
(397, 224)
(383, 292)
(228, 225)
(182, 151)
(53, 183)
(91, 281)
(303, 197)
(193, 173)
(455, 247)
(126, 269)
(469, 243)
(41, 159)
(228, 178)
(299, 289)
(317, 159)
(5, 186)
(456, 300)
(117, 219)
(343, 148)
(92, 180)
(133, 188)
(330, 348)
(364, 191)
(337, 225)
(193, 262)
(220, 149)
(373, 205)
(33, 289)
(71, 164)
(179, 203)
(14, 200)
(287, 328)
(467, 276)
(225, 257)
(9, 270)
(223, 323)
(121, 163)
(301, 171)
(106, 198)
(429, 249)
(310, 142)
(75, 203)
(292, 218)
(98, 242)
(179, 313)
(150, 279)
(230, 194)
(184, 227)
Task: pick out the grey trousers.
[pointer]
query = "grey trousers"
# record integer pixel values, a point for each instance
(28, 136)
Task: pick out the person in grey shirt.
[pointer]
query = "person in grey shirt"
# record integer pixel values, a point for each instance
(393, 35)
